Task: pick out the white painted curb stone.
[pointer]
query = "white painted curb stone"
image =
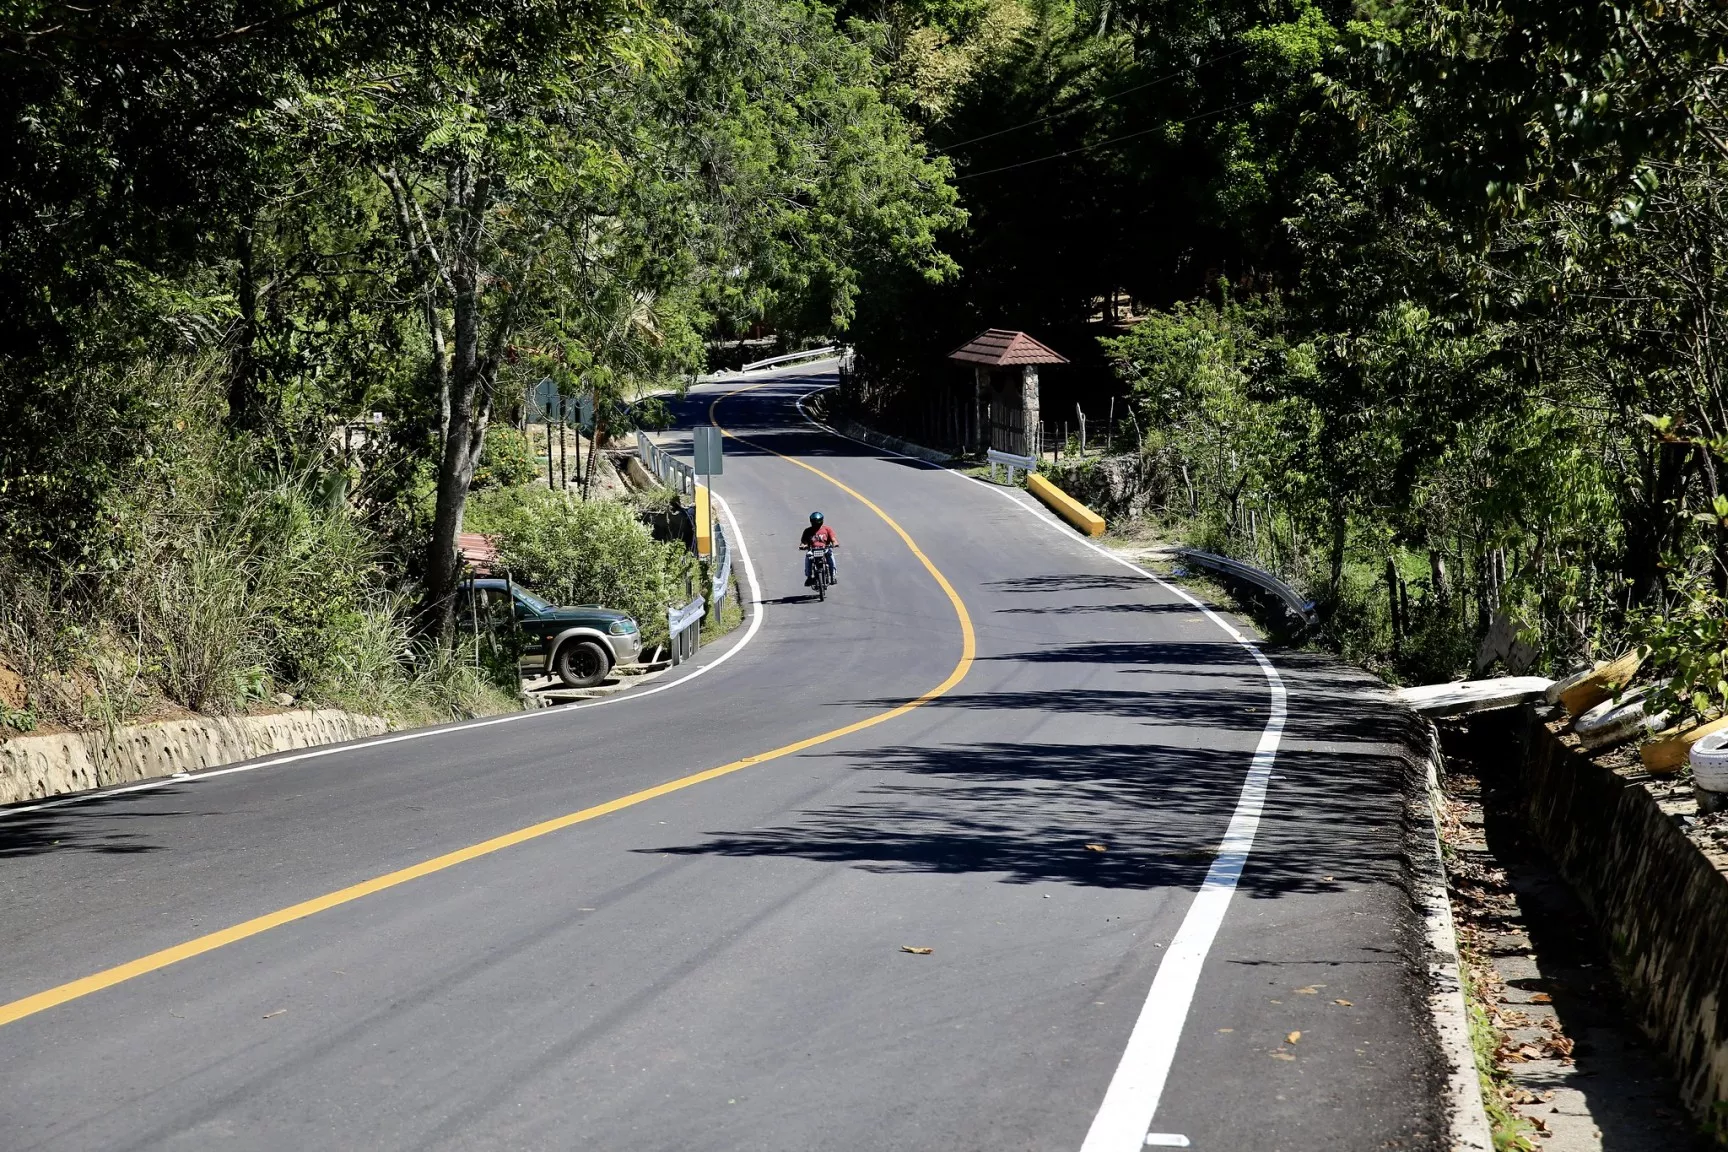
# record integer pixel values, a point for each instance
(1462, 696)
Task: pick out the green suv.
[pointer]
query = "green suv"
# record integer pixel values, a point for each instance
(579, 645)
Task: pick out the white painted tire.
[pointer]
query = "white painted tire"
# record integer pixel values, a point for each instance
(1709, 758)
(1610, 723)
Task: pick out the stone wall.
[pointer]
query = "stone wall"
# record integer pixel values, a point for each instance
(1116, 487)
(33, 767)
(1663, 905)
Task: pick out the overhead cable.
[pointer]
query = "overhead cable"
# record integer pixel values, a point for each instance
(1103, 143)
(1100, 100)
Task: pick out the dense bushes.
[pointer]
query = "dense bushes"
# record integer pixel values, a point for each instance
(223, 578)
(1411, 522)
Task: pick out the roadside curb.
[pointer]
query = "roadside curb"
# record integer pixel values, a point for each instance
(729, 648)
(1466, 1115)
(41, 767)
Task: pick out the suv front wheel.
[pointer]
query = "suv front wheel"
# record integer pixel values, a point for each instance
(581, 664)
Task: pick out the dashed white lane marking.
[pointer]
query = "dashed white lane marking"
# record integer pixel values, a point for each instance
(427, 733)
(1166, 1140)
(1131, 1101)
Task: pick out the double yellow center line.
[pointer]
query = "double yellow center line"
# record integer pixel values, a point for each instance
(108, 977)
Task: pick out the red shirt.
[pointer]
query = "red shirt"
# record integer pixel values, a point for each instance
(822, 537)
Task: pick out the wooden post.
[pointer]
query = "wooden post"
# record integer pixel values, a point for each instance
(1392, 601)
(980, 390)
(551, 480)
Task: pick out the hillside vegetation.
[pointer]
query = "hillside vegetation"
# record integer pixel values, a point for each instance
(273, 270)
(1432, 284)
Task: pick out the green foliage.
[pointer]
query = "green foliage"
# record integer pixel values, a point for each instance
(507, 461)
(379, 669)
(1471, 257)
(1686, 650)
(231, 233)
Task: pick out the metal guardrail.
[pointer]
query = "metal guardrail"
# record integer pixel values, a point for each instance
(670, 470)
(680, 477)
(721, 565)
(1293, 602)
(807, 354)
(1009, 461)
(685, 624)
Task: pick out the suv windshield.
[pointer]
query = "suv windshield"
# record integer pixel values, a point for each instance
(532, 602)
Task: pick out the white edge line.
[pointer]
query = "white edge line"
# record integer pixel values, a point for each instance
(1131, 1101)
(449, 729)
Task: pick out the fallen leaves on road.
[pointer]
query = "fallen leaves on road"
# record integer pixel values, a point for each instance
(278, 1012)
(916, 949)
(1541, 998)
(1311, 990)
(1280, 1054)
(1096, 848)
(1344, 1003)
(1293, 1037)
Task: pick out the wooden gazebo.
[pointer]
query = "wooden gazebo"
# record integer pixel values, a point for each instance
(1007, 404)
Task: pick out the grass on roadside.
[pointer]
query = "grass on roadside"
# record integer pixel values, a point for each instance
(1510, 1131)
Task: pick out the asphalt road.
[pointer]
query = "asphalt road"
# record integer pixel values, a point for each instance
(719, 966)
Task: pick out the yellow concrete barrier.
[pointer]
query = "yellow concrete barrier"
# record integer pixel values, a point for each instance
(704, 523)
(1066, 506)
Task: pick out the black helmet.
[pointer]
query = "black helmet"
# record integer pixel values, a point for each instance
(815, 519)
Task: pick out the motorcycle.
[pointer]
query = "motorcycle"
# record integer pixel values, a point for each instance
(821, 570)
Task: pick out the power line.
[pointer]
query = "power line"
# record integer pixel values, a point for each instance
(1103, 143)
(1237, 51)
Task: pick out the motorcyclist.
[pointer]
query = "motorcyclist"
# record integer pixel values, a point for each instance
(818, 535)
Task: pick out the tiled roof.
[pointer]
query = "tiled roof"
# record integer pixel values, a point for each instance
(477, 549)
(1001, 347)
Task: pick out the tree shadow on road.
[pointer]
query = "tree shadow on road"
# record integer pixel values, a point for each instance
(94, 825)
(1336, 811)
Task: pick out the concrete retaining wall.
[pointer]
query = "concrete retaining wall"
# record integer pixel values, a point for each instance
(32, 767)
(1663, 905)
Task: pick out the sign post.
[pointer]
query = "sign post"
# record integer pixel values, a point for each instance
(708, 453)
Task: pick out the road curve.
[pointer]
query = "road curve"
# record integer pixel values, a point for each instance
(719, 965)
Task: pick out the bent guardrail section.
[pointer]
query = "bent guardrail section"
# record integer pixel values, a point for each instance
(721, 565)
(807, 354)
(685, 625)
(1010, 461)
(1302, 609)
(670, 470)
